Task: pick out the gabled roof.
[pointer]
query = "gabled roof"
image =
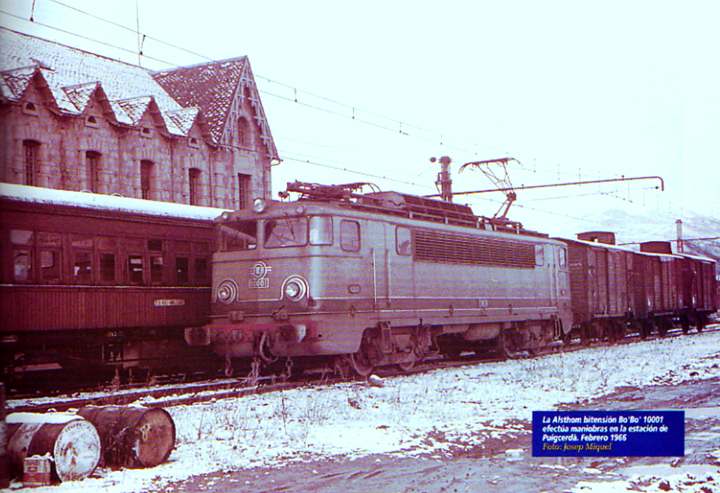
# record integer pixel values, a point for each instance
(213, 87)
(69, 77)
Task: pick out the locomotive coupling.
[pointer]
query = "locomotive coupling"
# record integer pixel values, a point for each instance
(247, 332)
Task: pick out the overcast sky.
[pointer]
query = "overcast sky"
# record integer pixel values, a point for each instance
(572, 89)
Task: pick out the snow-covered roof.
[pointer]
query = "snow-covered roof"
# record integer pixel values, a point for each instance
(40, 195)
(696, 257)
(203, 93)
(213, 88)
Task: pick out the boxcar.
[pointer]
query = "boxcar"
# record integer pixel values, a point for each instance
(90, 279)
(602, 284)
(384, 277)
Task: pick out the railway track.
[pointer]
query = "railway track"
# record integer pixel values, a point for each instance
(204, 391)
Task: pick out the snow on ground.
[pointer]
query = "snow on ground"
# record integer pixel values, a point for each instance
(698, 479)
(418, 414)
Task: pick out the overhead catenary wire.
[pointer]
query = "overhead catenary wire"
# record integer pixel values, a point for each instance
(354, 108)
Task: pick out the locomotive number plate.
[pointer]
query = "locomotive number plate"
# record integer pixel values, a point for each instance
(174, 302)
(259, 276)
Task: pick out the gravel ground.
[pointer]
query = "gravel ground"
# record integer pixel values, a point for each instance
(474, 417)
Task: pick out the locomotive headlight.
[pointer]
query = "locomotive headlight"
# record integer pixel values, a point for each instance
(294, 288)
(259, 205)
(227, 291)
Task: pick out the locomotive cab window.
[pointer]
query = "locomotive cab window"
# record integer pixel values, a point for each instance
(350, 236)
(238, 235)
(403, 241)
(321, 232)
(286, 232)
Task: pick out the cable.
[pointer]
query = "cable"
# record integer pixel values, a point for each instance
(293, 100)
(353, 108)
(351, 171)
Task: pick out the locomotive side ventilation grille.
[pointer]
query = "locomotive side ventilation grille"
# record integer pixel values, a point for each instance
(460, 249)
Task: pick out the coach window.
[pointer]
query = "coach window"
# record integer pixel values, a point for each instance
(403, 241)
(157, 262)
(201, 253)
(82, 254)
(106, 259)
(22, 241)
(182, 261)
(350, 236)
(539, 255)
(321, 232)
(49, 248)
(135, 260)
(135, 269)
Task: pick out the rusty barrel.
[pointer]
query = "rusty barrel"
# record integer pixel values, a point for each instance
(132, 436)
(71, 441)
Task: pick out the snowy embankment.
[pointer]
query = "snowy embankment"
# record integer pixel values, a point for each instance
(426, 413)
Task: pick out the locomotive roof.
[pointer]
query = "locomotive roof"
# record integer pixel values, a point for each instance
(24, 193)
(398, 204)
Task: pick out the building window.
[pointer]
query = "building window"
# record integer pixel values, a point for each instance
(244, 132)
(146, 179)
(244, 198)
(31, 151)
(146, 132)
(92, 162)
(30, 108)
(194, 185)
(193, 142)
(91, 121)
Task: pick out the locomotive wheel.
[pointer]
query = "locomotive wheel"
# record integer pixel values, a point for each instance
(410, 363)
(360, 363)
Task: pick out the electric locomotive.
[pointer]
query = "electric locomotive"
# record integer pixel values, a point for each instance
(379, 278)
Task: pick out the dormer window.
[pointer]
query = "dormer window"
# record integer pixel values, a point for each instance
(193, 142)
(30, 108)
(146, 132)
(91, 121)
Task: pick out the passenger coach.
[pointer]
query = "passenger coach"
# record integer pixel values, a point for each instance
(99, 281)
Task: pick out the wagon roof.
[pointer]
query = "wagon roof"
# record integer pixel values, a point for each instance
(24, 193)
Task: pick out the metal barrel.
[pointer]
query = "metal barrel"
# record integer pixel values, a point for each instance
(132, 436)
(4, 464)
(72, 442)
